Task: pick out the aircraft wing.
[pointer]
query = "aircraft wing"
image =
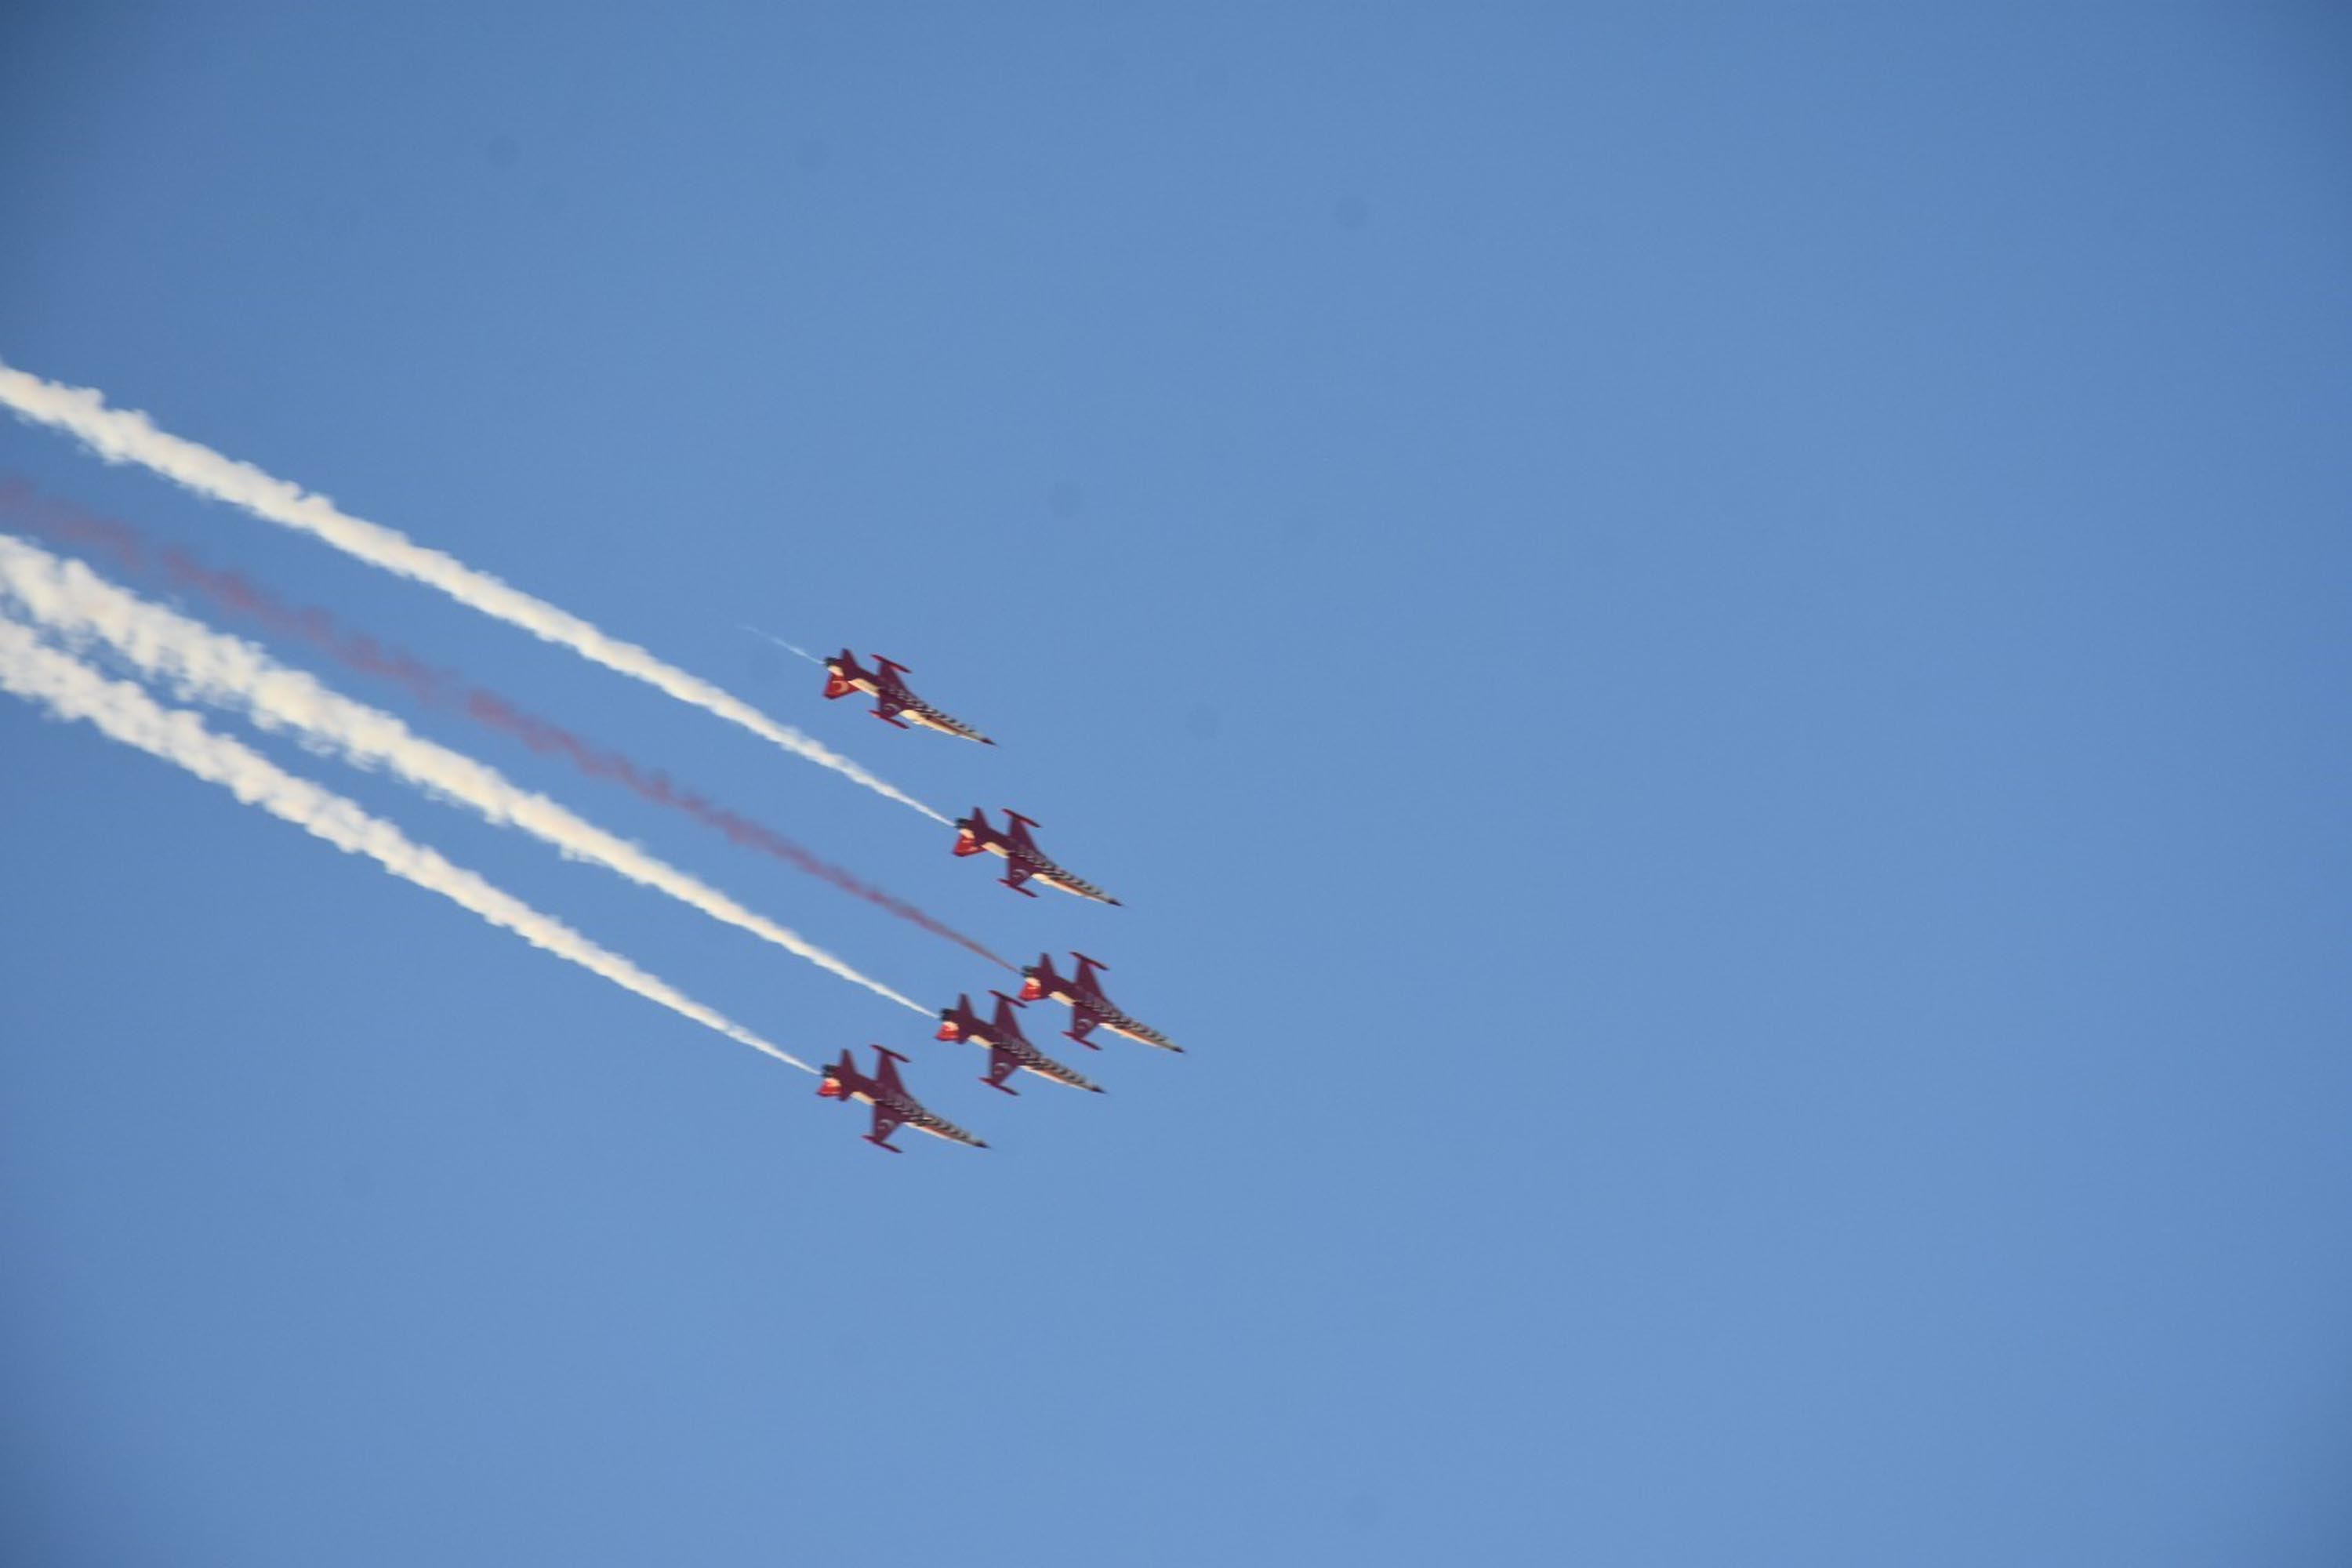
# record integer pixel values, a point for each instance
(887, 705)
(1016, 871)
(886, 1122)
(1001, 1064)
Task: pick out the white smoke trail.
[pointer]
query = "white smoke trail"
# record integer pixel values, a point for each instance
(70, 688)
(77, 604)
(780, 642)
(125, 436)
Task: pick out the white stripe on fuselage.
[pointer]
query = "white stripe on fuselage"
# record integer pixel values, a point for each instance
(1047, 1067)
(1051, 878)
(910, 706)
(908, 1115)
(1031, 1059)
(931, 721)
(1106, 1017)
(1069, 884)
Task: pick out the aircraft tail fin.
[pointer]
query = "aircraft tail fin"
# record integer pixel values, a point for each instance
(972, 832)
(1037, 977)
(835, 1085)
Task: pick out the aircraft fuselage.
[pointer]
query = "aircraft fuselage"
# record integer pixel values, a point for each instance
(1041, 870)
(911, 1113)
(893, 701)
(962, 1024)
(1096, 1013)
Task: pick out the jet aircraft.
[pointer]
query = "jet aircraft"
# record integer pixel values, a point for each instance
(1023, 858)
(1009, 1050)
(887, 1093)
(1083, 995)
(891, 697)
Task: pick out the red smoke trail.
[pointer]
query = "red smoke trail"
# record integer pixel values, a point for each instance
(444, 689)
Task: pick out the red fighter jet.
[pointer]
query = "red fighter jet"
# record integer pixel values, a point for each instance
(1008, 1050)
(893, 1105)
(891, 698)
(1023, 858)
(1083, 995)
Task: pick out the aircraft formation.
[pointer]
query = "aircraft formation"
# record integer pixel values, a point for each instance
(55, 612)
(1010, 1051)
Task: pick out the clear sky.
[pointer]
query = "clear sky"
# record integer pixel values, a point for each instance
(1710, 646)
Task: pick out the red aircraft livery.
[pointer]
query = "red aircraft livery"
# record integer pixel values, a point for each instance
(1023, 858)
(1008, 1050)
(1083, 995)
(891, 698)
(893, 1105)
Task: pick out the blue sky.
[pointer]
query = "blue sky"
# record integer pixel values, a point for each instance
(1710, 648)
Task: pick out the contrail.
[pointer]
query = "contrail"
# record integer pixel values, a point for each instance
(125, 436)
(790, 647)
(73, 602)
(122, 546)
(70, 688)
